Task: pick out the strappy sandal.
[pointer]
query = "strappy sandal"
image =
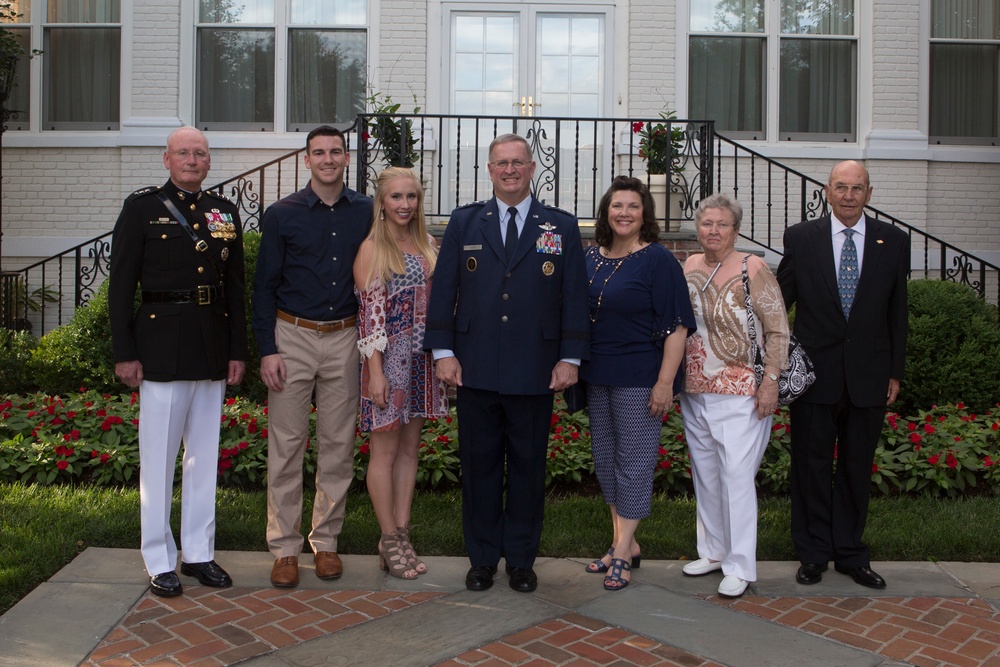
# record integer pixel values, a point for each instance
(411, 556)
(599, 566)
(391, 558)
(614, 580)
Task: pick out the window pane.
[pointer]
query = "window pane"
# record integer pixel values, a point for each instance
(963, 91)
(18, 101)
(84, 11)
(330, 12)
(727, 15)
(817, 88)
(727, 82)
(82, 72)
(22, 7)
(812, 17)
(965, 19)
(243, 11)
(236, 77)
(326, 76)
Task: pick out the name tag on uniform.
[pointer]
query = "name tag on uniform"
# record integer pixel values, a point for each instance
(473, 247)
(163, 221)
(549, 243)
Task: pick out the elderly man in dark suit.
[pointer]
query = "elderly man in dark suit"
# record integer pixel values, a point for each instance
(846, 275)
(508, 326)
(188, 339)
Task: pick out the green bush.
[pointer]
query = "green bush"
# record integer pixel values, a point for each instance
(252, 386)
(15, 361)
(78, 354)
(952, 348)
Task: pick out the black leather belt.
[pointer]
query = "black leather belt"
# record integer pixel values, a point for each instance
(203, 295)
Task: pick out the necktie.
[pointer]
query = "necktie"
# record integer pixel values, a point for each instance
(847, 280)
(511, 242)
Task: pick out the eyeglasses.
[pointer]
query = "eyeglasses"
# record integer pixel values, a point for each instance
(857, 190)
(721, 226)
(517, 164)
(185, 154)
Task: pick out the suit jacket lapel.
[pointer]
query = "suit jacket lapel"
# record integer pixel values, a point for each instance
(824, 254)
(490, 226)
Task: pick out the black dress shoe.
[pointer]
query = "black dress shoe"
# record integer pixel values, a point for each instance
(863, 575)
(522, 579)
(810, 573)
(208, 574)
(480, 577)
(166, 585)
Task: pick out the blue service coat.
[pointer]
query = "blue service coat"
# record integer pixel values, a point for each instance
(509, 325)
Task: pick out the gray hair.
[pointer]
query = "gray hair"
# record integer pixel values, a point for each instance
(720, 201)
(506, 139)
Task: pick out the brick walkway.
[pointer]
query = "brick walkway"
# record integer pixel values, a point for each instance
(923, 631)
(208, 627)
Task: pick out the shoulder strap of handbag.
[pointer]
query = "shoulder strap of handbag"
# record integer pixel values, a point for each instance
(751, 320)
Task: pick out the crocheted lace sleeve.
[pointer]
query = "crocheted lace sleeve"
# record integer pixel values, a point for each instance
(371, 320)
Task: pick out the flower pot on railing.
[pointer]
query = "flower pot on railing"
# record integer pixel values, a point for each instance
(658, 184)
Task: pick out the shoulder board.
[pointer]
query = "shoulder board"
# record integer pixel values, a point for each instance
(557, 209)
(218, 195)
(143, 192)
(481, 202)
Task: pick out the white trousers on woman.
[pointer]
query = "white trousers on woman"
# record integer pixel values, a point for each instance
(727, 443)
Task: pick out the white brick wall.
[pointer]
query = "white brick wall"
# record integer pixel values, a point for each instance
(895, 64)
(652, 44)
(155, 57)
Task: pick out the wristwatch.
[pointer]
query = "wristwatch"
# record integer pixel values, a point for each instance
(772, 376)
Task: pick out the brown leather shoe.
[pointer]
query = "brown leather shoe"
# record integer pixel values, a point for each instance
(285, 573)
(328, 565)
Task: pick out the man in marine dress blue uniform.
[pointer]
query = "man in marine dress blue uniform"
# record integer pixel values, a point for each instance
(187, 340)
(508, 325)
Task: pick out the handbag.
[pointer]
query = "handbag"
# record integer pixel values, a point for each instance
(575, 396)
(800, 374)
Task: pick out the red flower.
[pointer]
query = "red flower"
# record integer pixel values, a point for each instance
(365, 136)
(637, 127)
(263, 433)
(933, 459)
(245, 416)
(243, 445)
(916, 448)
(664, 465)
(928, 428)
(958, 439)
(94, 454)
(71, 414)
(101, 412)
(252, 426)
(874, 468)
(442, 439)
(230, 401)
(960, 405)
(135, 397)
(987, 462)
(62, 465)
(928, 418)
(364, 448)
(951, 461)
(892, 421)
(105, 458)
(447, 420)
(910, 426)
(558, 430)
(88, 404)
(995, 426)
(575, 435)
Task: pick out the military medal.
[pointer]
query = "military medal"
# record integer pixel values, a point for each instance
(548, 268)
(224, 254)
(547, 227)
(471, 263)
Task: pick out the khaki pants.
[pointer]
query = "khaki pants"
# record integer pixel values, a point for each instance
(328, 363)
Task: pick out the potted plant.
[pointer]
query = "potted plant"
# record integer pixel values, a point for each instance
(393, 136)
(661, 145)
(16, 301)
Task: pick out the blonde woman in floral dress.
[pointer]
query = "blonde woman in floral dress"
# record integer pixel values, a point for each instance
(399, 389)
(727, 417)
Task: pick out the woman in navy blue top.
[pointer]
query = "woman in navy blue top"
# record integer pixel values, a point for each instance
(640, 315)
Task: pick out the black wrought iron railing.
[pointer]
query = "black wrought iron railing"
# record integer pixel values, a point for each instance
(576, 159)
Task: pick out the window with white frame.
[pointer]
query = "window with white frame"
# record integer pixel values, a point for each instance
(17, 102)
(965, 72)
(810, 95)
(81, 65)
(254, 54)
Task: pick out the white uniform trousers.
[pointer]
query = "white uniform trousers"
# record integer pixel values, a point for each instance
(170, 412)
(727, 443)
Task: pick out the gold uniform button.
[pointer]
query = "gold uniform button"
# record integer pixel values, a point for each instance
(201, 269)
(195, 225)
(164, 237)
(192, 208)
(152, 316)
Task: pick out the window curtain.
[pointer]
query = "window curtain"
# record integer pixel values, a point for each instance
(817, 87)
(326, 76)
(726, 82)
(82, 73)
(965, 19)
(964, 91)
(236, 77)
(829, 17)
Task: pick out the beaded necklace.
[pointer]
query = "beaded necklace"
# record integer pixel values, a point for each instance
(601, 259)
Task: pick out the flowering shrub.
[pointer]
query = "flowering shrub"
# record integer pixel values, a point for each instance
(92, 437)
(660, 144)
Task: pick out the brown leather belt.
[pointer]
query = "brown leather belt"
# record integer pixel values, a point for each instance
(313, 325)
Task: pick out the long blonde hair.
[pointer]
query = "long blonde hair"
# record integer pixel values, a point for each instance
(387, 257)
